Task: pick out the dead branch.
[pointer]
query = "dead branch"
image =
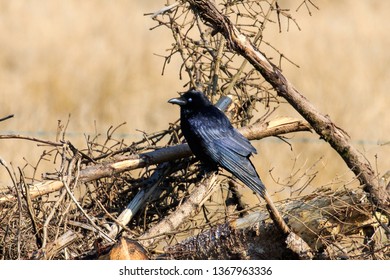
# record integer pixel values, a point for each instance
(57, 245)
(139, 200)
(170, 223)
(6, 117)
(322, 124)
(34, 139)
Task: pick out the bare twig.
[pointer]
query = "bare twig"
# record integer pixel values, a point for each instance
(22, 137)
(66, 182)
(6, 117)
(31, 212)
(49, 218)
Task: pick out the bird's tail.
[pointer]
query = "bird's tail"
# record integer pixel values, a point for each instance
(248, 175)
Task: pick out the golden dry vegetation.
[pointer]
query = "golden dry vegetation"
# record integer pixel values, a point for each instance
(95, 61)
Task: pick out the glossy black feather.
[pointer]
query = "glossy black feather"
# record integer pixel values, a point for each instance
(214, 141)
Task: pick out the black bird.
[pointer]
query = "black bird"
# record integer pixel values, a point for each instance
(214, 141)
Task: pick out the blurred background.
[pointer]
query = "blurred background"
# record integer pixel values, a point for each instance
(99, 62)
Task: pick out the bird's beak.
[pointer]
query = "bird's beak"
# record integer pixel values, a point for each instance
(179, 101)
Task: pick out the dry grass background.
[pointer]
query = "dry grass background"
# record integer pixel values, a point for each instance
(95, 60)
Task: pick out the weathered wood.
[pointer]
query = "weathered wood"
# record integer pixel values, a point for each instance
(320, 219)
(57, 245)
(126, 249)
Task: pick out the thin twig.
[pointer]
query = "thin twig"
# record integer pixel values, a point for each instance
(6, 117)
(30, 210)
(22, 137)
(66, 182)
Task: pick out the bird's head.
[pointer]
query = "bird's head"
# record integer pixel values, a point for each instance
(191, 100)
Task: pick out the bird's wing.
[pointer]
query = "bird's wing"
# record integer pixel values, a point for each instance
(233, 155)
(229, 138)
(216, 127)
(238, 143)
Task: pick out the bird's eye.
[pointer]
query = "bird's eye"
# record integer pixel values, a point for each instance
(189, 99)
